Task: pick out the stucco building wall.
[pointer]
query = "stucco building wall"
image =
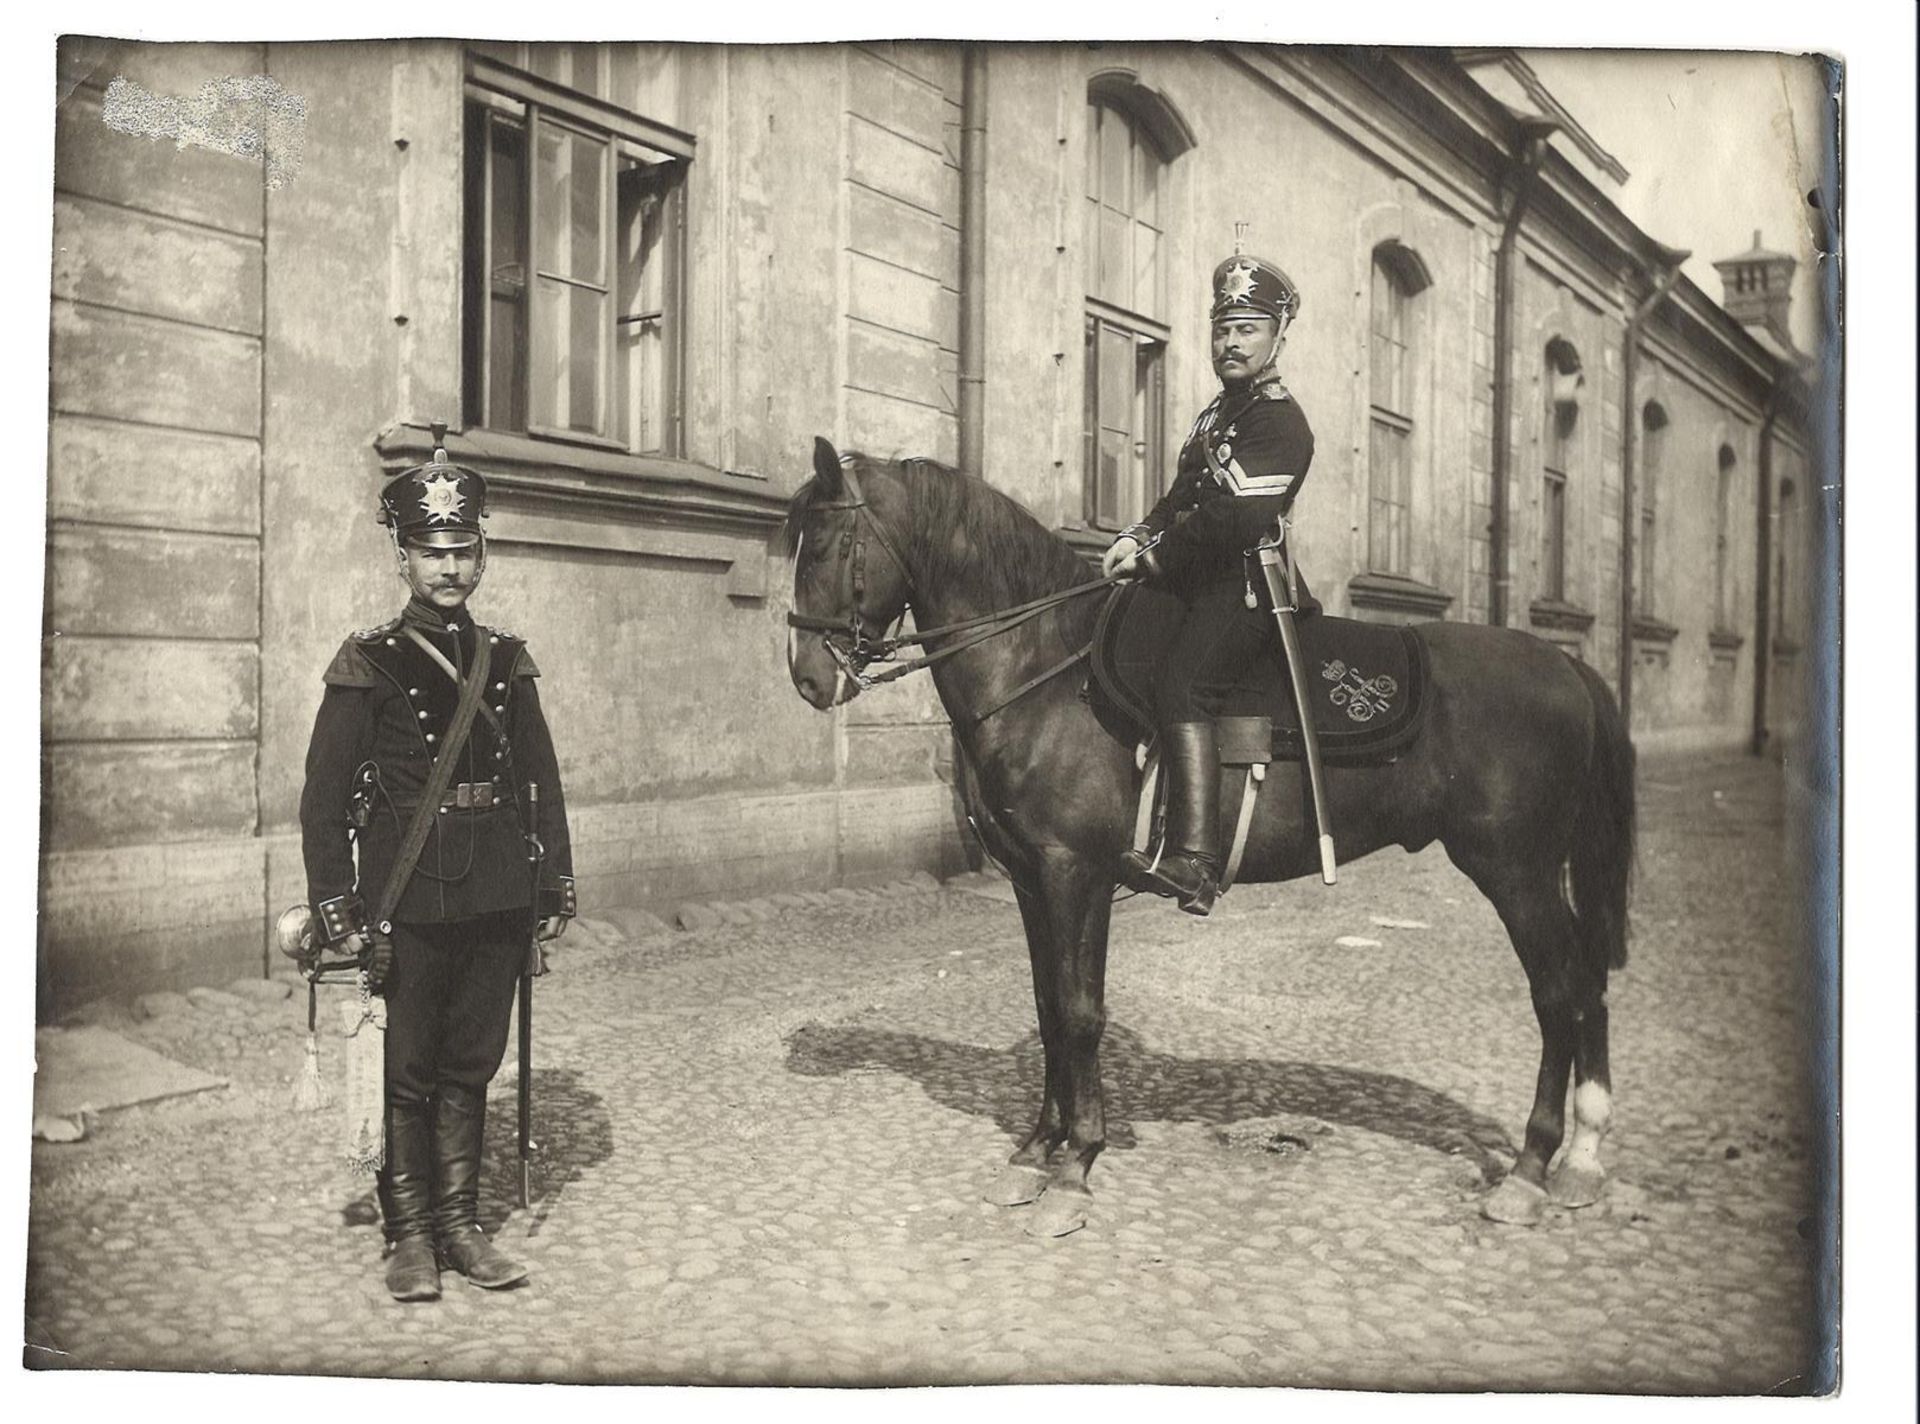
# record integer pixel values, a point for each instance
(235, 366)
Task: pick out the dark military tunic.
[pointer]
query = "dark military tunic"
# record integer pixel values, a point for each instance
(1241, 467)
(385, 711)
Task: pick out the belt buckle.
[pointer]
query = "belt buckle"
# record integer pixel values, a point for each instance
(482, 795)
(463, 796)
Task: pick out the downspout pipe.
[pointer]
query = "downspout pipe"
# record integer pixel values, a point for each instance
(973, 257)
(1523, 166)
(1763, 567)
(1668, 273)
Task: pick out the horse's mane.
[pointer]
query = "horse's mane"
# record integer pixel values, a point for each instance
(964, 528)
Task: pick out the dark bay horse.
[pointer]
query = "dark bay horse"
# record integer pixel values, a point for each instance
(1523, 772)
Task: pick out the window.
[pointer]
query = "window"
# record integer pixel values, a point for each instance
(575, 219)
(1397, 278)
(1722, 546)
(1653, 442)
(1126, 331)
(1560, 419)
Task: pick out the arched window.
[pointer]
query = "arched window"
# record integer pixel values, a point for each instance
(1722, 542)
(1653, 445)
(1126, 326)
(1397, 279)
(1561, 381)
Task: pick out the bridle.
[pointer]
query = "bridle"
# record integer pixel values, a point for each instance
(854, 651)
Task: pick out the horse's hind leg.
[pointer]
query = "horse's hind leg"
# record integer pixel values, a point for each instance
(1540, 924)
(1579, 1178)
(1024, 1177)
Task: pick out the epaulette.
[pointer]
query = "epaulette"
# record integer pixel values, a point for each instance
(374, 635)
(350, 667)
(1274, 391)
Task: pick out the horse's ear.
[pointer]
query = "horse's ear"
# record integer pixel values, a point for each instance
(826, 469)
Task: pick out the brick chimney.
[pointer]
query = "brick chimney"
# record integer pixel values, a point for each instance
(1758, 286)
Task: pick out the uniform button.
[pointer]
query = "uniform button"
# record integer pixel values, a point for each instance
(500, 709)
(422, 716)
(499, 756)
(413, 692)
(499, 687)
(493, 640)
(393, 642)
(430, 736)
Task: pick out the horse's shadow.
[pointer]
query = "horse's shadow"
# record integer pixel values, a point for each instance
(1143, 1086)
(572, 1133)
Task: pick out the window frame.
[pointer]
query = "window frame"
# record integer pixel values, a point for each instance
(1728, 464)
(501, 92)
(1400, 272)
(1149, 334)
(1654, 424)
(1559, 448)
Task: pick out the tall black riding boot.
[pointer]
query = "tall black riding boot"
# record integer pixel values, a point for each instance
(1189, 865)
(405, 1187)
(459, 1130)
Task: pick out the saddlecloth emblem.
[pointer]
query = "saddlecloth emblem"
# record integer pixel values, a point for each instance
(1363, 697)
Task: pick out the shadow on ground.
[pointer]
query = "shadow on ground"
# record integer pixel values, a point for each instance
(1143, 1086)
(572, 1133)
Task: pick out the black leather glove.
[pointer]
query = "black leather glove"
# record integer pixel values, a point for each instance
(377, 960)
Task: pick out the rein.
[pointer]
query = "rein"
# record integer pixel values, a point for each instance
(861, 652)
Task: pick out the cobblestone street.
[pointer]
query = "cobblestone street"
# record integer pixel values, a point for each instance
(764, 1147)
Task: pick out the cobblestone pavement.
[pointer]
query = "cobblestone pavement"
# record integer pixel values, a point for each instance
(764, 1148)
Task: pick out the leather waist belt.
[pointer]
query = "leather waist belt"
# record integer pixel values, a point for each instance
(465, 796)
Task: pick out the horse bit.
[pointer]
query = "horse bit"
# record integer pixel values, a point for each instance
(853, 651)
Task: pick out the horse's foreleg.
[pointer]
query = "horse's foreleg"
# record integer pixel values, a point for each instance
(1024, 1177)
(1541, 926)
(1077, 908)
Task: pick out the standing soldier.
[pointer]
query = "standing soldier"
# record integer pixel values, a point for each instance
(1239, 471)
(444, 906)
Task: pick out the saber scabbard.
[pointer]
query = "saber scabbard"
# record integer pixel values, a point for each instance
(1276, 563)
(527, 972)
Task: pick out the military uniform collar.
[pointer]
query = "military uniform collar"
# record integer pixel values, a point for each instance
(429, 619)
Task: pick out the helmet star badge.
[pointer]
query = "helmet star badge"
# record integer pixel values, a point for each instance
(440, 497)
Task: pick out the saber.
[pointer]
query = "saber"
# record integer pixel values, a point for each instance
(1276, 563)
(535, 853)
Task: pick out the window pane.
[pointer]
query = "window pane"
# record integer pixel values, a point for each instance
(1096, 117)
(1116, 155)
(572, 238)
(1116, 380)
(1146, 189)
(640, 340)
(1144, 289)
(507, 221)
(1149, 426)
(1114, 278)
(568, 331)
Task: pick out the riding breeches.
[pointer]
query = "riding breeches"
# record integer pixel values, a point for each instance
(450, 1001)
(1219, 641)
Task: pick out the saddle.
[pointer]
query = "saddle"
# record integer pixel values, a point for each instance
(1368, 700)
(1369, 693)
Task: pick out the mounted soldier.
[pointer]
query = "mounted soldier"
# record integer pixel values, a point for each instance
(1238, 474)
(430, 751)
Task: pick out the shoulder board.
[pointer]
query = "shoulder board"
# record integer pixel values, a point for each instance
(349, 667)
(1274, 391)
(374, 635)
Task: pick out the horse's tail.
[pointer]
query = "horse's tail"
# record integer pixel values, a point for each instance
(1601, 861)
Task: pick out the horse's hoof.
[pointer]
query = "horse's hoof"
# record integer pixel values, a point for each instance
(1016, 1185)
(1514, 1203)
(1062, 1211)
(1576, 1186)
